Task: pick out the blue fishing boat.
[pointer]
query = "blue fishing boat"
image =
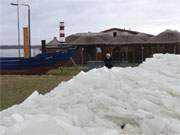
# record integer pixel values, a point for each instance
(39, 64)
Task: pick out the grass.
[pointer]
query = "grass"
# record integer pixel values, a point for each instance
(16, 88)
(64, 71)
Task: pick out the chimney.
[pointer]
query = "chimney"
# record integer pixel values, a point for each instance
(61, 32)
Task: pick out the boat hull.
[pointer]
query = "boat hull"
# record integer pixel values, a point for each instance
(39, 64)
(35, 70)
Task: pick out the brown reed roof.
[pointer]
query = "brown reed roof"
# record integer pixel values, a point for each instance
(127, 31)
(144, 37)
(127, 39)
(53, 42)
(72, 38)
(122, 30)
(89, 40)
(106, 37)
(124, 37)
(166, 36)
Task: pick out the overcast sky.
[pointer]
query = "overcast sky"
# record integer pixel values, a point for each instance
(149, 16)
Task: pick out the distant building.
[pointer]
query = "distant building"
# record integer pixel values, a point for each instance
(56, 46)
(125, 46)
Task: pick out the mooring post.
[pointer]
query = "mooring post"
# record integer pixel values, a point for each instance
(43, 46)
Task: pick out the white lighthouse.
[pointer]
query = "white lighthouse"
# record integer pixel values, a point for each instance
(61, 32)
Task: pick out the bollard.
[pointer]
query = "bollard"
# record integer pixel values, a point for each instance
(43, 46)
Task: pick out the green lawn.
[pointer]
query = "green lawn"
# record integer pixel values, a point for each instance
(15, 88)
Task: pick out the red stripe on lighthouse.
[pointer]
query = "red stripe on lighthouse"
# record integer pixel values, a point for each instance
(61, 32)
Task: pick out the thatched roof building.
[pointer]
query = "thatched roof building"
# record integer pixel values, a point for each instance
(125, 46)
(120, 36)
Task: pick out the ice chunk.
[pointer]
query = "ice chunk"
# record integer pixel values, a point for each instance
(143, 100)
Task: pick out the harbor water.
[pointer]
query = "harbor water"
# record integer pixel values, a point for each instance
(14, 52)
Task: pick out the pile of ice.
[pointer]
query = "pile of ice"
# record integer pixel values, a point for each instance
(144, 100)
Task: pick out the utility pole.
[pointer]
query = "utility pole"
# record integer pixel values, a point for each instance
(18, 27)
(19, 42)
(29, 25)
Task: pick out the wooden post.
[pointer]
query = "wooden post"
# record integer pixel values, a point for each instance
(82, 56)
(174, 49)
(127, 50)
(97, 56)
(43, 46)
(134, 54)
(142, 53)
(26, 42)
(96, 53)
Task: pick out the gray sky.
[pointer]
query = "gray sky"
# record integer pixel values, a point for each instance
(149, 16)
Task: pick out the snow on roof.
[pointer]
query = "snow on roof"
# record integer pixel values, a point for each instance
(143, 100)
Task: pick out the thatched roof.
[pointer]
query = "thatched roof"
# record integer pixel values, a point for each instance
(105, 37)
(166, 36)
(89, 40)
(53, 42)
(124, 37)
(72, 38)
(144, 37)
(120, 30)
(127, 39)
(125, 31)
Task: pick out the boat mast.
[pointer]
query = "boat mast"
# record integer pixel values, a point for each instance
(19, 42)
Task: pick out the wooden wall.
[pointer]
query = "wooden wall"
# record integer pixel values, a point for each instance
(123, 53)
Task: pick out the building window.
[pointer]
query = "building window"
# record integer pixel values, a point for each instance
(114, 34)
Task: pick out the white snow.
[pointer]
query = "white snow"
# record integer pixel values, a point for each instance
(145, 99)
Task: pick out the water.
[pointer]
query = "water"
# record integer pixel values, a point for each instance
(14, 52)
